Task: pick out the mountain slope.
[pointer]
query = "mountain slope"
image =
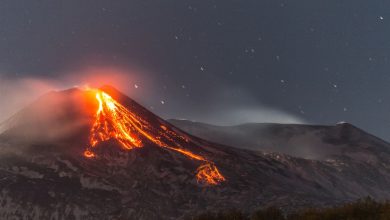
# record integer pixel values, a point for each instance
(306, 141)
(44, 172)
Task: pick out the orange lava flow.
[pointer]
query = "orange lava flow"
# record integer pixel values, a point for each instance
(114, 121)
(209, 173)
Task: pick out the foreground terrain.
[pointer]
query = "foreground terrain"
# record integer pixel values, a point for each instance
(362, 209)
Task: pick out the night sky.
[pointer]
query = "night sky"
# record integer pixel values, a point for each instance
(223, 62)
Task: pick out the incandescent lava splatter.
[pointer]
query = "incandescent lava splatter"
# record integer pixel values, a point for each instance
(114, 121)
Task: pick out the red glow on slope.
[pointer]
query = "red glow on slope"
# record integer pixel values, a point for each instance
(114, 121)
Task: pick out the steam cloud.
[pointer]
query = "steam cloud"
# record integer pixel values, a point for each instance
(222, 108)
(253, 114)
(16, 93)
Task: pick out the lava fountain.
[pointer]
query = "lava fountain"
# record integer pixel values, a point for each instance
(114, 121)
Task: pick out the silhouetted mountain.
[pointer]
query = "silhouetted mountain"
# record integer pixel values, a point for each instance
(45, 173)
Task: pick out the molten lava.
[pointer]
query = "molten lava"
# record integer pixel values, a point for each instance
(209, 173)
(114, 121)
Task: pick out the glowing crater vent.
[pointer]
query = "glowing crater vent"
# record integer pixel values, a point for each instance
(114, 121)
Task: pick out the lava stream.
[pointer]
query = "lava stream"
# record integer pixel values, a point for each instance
(114, 121)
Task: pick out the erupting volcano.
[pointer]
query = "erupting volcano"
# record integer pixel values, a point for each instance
(114, 121)
(96, 153)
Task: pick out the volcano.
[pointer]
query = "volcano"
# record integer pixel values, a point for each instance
(97, 154)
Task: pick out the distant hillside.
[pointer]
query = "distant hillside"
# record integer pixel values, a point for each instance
(305, 141)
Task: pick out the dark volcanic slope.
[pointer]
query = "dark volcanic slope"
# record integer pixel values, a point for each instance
(43, 173)
(305, 141)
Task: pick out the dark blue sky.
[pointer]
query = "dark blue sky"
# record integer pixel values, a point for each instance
(218, 61)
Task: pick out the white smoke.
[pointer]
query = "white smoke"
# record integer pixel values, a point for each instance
(253, 114)
(17, 93)
(226, 106)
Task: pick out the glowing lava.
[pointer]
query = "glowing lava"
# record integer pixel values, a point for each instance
(209, 173)
(114, 121)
